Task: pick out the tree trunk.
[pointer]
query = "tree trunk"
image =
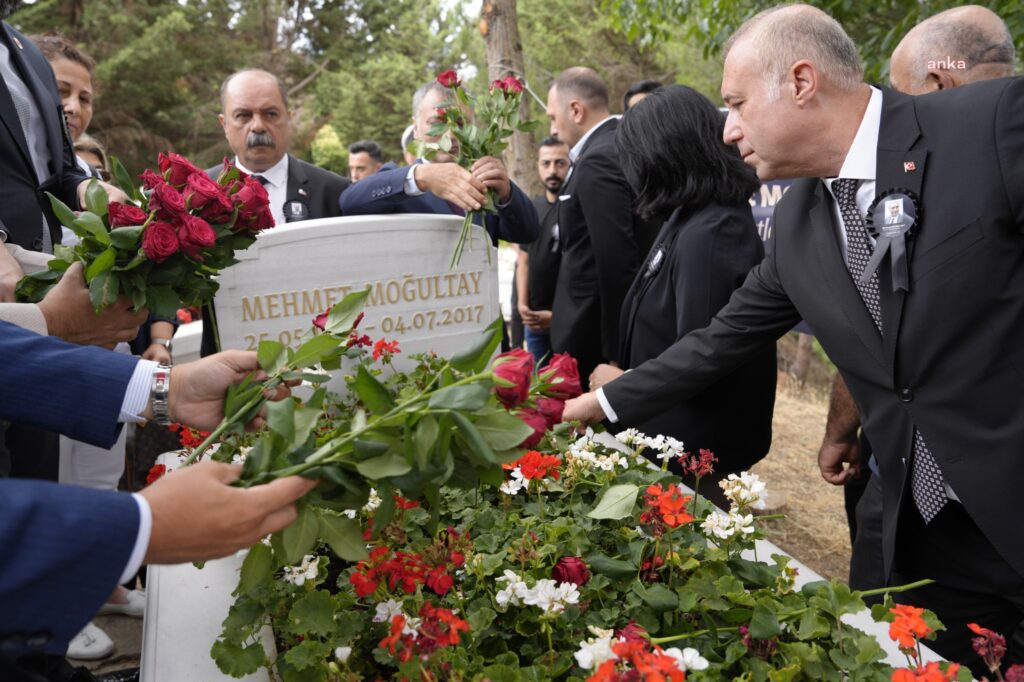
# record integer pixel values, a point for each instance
(500, 29)
(802, 359)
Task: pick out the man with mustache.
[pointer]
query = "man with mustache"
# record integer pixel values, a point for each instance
(537, 267)
(257, 125)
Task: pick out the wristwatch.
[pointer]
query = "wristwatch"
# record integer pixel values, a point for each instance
(166, 343)
(159, 395)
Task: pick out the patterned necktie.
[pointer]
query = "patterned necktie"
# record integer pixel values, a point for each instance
(925, 476)
(24, 109)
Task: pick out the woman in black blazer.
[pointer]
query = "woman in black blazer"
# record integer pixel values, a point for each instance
(673, 156)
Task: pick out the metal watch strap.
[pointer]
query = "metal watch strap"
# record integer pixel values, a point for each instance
(166, 343)
(159, 394)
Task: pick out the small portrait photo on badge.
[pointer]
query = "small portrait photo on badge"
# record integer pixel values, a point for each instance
(894, 212)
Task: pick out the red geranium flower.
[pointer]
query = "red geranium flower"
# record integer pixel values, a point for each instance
(155, 472)
(534, 465)
(908, 626)
(386, 349)
(669, 504)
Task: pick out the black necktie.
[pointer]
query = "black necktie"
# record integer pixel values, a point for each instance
(262, 180)
(925, 476)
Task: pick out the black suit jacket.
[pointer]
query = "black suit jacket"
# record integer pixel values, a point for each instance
(950, 361)
(23, 201)
(698, 260)
(603, 243)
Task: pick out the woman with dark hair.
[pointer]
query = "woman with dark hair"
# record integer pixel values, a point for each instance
(672, 153)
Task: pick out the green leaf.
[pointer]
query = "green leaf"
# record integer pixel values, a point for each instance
(503, 431)
(96, 198)
(307, 656)
(424, 437)
(281, 418)
(371, 392)
(613, 568)
(126, 238)
(764, 624)
(343, 535)
(468, 398)
(385, 466)
(812, 625)
(64, 214)
(474, 437)
(124, 179)
(271, 356)
(313, 351)
(345, 312)
(93, 225)
(162, 301)
(256, 569)
(658, 597)
(238, 661)
(787, 674)
(313, 614)
(102, 263)
(103, 290)
(474, 358)
(298, 539)
(480, 618)
(616, 502)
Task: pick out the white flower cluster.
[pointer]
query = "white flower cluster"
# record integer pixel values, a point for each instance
(596, 650)
(239, 457)
(546, 594)
(687, 659)
(342, 653)
(745, 490)
(583, 452)
(724, 526)
(514, 483)
(666, 446)
(371, 505)
(386, 612)
(307, 570)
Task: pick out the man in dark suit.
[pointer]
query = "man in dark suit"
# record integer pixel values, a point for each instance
(930, 361)
(603, 241)
(65, 548)
(443, 186)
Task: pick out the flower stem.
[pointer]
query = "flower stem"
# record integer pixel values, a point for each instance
(687, 635)
(896, 588)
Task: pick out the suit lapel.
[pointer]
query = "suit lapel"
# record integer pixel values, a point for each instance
(47, 105)
(7, 111)
(897, 166)
(297, 180)
(824, 232)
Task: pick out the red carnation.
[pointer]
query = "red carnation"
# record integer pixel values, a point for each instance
(195, 234)
(159, 241)
(125, 215)
(564, 375)
(176, 168)
(167, 202)
(571, 569)
(552, 409)
(536, 421)
(449, 79)
(512, 373)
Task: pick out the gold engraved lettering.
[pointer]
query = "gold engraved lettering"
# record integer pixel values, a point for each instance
(463, 285)
(330, 296)
(271, 300)
(376, 296)
(394, 291)
(475, 276)
(290, 299)
(409, 289)
(253, 310)
(311, 303)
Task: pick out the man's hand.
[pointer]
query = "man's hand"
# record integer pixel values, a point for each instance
(157, 353)
(602, 374)
(833, 455)
(584, 409)
(452, 183)
(69, 314)
(10, 274)
(113, 193)
(492, 173)
(197, 388)
(231, 518)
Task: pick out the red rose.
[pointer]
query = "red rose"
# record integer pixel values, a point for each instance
(512, 84)
(195, 235)
(228, 165)
(498, 84)
(449, 79)
(552, 409)
(571, 569)
(512, 373)
(252, 202)
(633, 633)
(155, 472)
(167, 202)
(536, 421)
(206, 196)
(125, 215)
(264, 220)
(564, 374)
(320, 321)
(151, 179)
(159, 242)
(176, 168)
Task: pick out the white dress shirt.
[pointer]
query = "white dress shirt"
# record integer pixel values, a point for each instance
(276, 184)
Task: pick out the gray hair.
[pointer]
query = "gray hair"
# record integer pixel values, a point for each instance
(426, 89)
(965, 41)
(227, 81)
(787, 34)
(584, 84)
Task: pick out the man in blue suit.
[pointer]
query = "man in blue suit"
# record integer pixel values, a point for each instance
(442, 186)
(64, 548)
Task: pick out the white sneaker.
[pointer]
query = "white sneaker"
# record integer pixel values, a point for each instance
(91, 644)
(134, 607)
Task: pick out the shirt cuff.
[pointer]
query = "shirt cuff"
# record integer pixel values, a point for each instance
(609, 413)
(136, 396)
(141, 540)
(411, 188)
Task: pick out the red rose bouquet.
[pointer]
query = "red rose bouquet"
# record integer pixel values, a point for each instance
(164, 248)
(490, 121)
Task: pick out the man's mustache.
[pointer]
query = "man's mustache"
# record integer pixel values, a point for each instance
(553, 178)
(259, 140)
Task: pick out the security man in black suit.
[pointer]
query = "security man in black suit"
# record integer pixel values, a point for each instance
(924, 324)
(603, 241)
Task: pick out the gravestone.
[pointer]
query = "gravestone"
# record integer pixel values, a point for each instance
(295, 272)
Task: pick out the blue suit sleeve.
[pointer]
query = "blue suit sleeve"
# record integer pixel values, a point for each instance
(64, 549)
(382, 192)
(58, 386)
(517, 222)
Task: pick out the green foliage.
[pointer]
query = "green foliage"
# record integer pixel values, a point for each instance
(328, 152)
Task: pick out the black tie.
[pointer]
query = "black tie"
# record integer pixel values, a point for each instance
(925, 476)
(262, 180)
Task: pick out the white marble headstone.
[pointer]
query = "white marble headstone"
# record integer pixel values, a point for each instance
(297, 271)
